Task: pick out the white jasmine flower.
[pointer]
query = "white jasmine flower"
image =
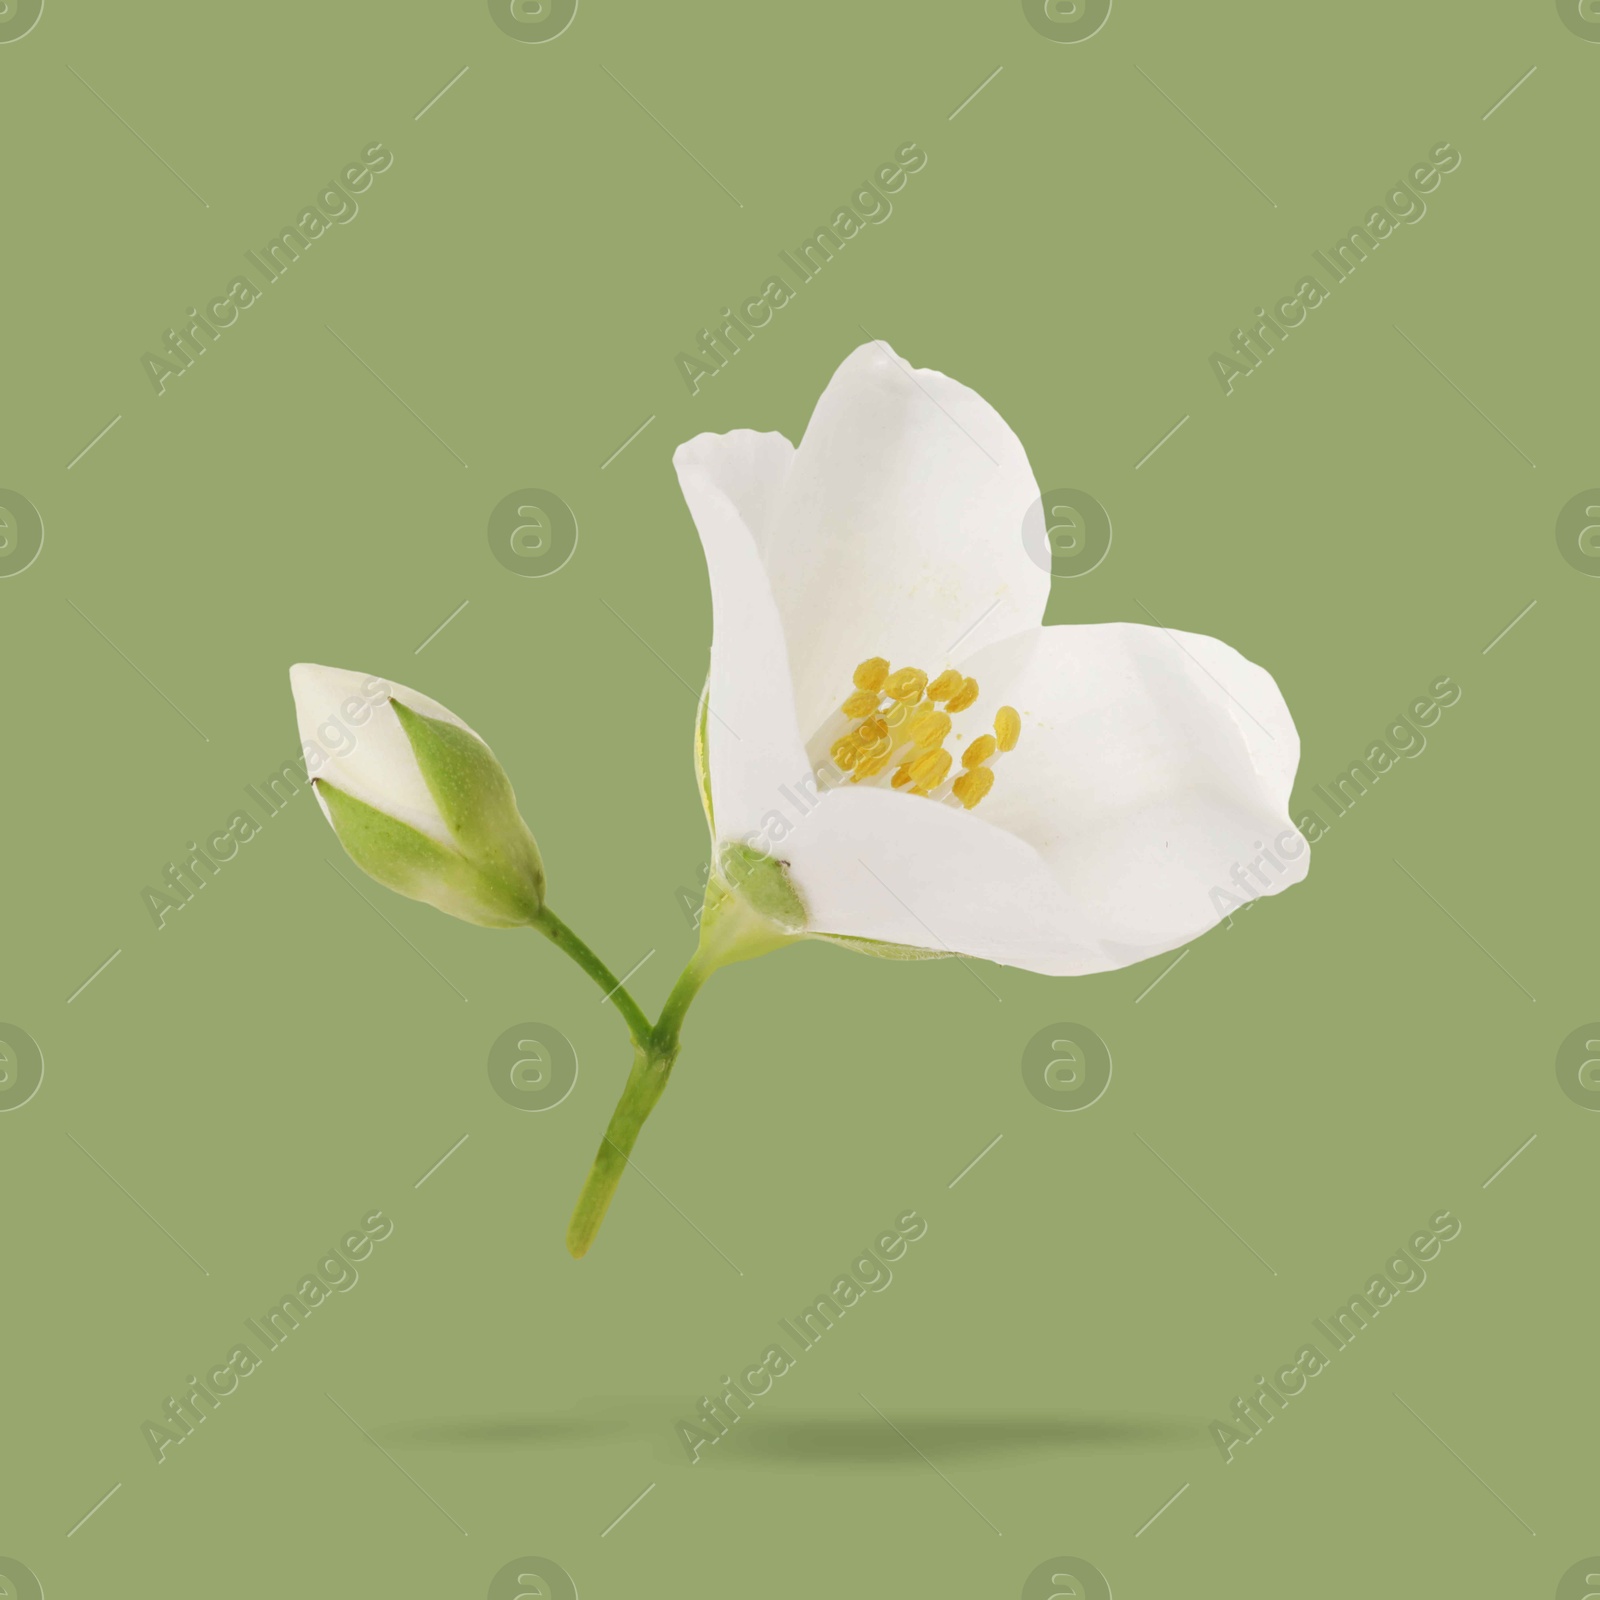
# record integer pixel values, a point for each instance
(894, 749)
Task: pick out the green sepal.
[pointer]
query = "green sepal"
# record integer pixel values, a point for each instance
(741, 865)
(475, 798)
(702, 758)
(764, 884)
(412, 864)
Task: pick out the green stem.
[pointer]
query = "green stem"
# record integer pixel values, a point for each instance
(728, 932)
(652, 1066)
(664, 1036)
(644, 1087)
(565, 940)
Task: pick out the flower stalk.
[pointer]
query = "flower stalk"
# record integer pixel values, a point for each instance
(730, 930)
(569, 944)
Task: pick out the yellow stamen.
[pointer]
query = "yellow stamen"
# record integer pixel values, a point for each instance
(928, 772)
(964, 696)
(906, 684)
(873, 736)
(897, 714)
(870, 674)
(930, 731)
(979, 750)
(902, 721)
(972, 786)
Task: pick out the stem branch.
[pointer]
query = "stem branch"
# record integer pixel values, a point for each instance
(728, 932)
(565, 940)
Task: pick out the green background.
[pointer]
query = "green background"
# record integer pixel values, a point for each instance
(236, 1090)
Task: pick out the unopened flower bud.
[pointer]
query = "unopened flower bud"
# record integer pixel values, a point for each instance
(418, 800)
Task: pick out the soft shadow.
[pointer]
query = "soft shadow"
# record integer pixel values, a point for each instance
(857, 1438)
(853, 1440)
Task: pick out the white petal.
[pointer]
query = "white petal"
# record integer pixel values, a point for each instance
(1153, 770)
(748, 467)
(352, 737)
(877, 864)
(898, 529)
(753, 742)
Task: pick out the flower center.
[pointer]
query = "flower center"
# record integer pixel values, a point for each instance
(891, 732)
